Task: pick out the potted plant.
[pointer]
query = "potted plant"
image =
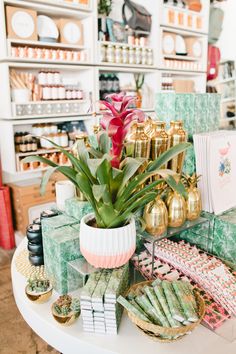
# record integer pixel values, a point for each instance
(113, 185)
(38, 290)
(66, 310)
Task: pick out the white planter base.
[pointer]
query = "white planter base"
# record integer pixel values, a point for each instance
(107, 248)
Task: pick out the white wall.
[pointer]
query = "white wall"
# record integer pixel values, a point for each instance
(227, 41)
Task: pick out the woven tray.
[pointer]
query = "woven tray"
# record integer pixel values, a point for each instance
(155, 332)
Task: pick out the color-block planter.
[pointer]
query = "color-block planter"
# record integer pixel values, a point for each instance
(107, 248)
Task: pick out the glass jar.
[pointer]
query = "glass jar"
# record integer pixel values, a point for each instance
(149, 57)
(144, 56)
(118, 54)
(54, 93)
(110, 53)
(47, 93)
(61, 92)
(137, 56)
(64, 139)
(50, 78)
(42, 78)
(57, 78)
(103, 53)
(125, 54)
(131, 55)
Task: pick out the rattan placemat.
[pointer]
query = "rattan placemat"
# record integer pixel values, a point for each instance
(24, 267)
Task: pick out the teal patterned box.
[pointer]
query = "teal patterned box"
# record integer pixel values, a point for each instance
(219, 239)
(60, 246)
(165, 107)
(189, 162)
(50, 224)
(200, 112)
(77, 209)
(74, 279)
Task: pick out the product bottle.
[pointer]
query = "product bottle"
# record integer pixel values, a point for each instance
(177, 135)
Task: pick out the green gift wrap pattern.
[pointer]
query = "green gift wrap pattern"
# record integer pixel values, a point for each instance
(57, 222)
(74, 279)
(189, 167)
(200, 112)
(77, 209)
(218, 237)
(61, 245)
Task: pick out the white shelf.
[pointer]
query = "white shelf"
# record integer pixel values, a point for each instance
(223, 120)
(39, 152)
(184, 32)
(184, 71)
(45, 61)
(185, 10)
(50, 8)
(65, 4)
(123, 45)
(22, 42)
(181, 57)
(225, 81)
(228, 99)
(125, 68)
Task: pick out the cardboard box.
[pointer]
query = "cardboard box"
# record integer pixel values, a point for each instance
(21, 23)
(71, 31)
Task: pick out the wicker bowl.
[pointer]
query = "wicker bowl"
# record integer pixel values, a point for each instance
(156, 332)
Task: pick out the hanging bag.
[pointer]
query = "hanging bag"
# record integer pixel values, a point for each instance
(140, 18)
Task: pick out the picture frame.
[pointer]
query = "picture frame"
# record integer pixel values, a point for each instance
(116, 31)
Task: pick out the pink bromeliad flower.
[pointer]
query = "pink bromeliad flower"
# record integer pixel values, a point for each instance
(117, 122)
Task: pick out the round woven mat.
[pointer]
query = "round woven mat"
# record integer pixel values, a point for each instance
(24, 267)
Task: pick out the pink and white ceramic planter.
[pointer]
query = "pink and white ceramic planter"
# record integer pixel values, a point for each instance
(107, 248)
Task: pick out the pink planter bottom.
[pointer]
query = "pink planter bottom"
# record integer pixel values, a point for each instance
(107, 261)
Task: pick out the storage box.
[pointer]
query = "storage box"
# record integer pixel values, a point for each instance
(219, 238)
(77, 209)
(21, 23)
(60, 245)
(71, 31)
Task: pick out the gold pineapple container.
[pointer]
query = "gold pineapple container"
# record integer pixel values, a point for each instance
(176, 206)
(177, 135)
(194, 200)
(156, 217)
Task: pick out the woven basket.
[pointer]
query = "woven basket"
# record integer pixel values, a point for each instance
(156, 332)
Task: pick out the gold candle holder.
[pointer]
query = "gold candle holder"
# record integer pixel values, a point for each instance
(177, 135)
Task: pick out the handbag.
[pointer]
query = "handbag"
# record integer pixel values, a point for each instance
(213, 62)
(140, 18)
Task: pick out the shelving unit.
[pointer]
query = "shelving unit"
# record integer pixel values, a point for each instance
(226, 86)
(89, 69)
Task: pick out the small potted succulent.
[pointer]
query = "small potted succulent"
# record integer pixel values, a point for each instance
(113, 184)
(66, 310)
(38, 290)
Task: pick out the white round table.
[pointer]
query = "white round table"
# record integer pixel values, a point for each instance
(72, 340)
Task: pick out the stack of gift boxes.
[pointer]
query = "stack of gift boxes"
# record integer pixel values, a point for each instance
(201, 113)
(99, 309)
(61, 246)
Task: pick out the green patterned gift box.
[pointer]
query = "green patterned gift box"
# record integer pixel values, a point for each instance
(77, 209)
(200, 112)
(218, 237)
(61, 245)
(56, 222)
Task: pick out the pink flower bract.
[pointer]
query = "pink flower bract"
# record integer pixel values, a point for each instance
(117, 122)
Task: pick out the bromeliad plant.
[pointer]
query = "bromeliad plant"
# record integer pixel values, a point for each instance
(117, 122)
(114, 193)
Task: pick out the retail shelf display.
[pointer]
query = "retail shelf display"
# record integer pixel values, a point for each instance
(82, 60)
